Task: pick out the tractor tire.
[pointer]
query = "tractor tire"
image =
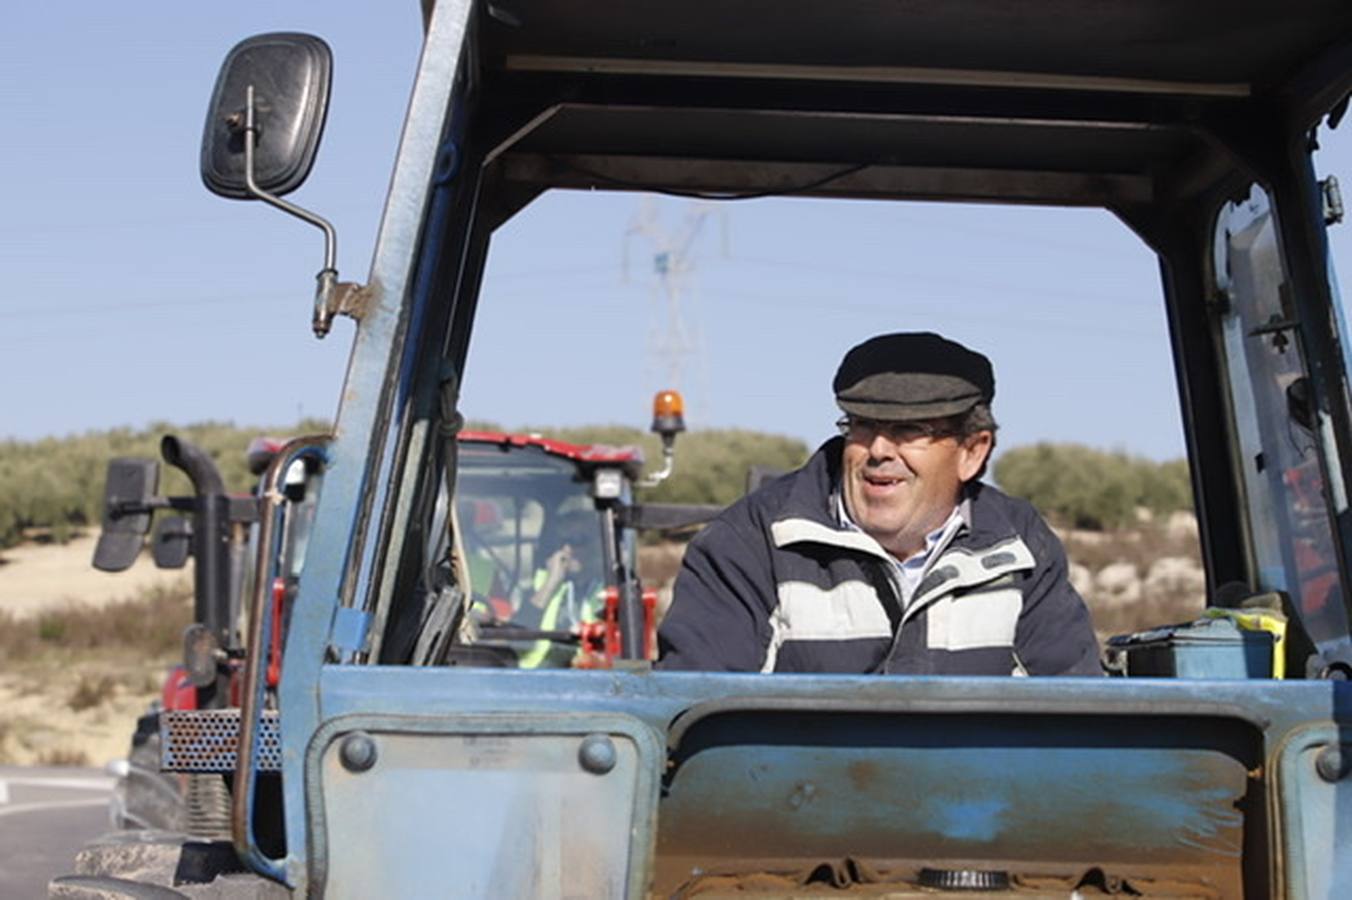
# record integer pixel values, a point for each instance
(160, 865)
(146, 798)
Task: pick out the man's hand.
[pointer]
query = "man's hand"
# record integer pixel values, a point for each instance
(560, 565)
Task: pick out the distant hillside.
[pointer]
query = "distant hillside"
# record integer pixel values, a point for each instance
(1082, 487)
(55, 485)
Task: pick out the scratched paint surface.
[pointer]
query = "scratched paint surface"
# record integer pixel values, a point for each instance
(500, 815)
(1132, 773)
(993, 789)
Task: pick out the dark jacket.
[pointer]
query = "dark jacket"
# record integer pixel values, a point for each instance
(777, 584)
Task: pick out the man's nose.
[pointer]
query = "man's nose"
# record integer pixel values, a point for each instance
(881, 446)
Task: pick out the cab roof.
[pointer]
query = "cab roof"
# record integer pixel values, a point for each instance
(1046, 101)
(629, 458)
(1203, 47)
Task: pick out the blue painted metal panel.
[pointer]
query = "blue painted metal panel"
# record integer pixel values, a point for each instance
(1316, 826)
(658, 697)
(349, 629)
(1027, 793)
(358, 452)
(1164, 779)
(484, 806)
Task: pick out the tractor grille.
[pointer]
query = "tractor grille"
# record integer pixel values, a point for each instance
(207, 740)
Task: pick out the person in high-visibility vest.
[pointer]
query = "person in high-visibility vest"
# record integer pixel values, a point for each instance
(567, 590)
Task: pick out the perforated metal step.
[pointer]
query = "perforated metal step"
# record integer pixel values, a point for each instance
(207, 740)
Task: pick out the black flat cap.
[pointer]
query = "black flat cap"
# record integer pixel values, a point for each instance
(912, 375)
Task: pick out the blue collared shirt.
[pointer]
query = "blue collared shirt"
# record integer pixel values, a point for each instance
(911, 571)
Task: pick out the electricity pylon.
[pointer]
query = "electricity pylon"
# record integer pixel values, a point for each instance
(673, 339)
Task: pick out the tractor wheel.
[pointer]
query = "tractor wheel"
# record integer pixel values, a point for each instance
(158, 865)
(197, 804)
(145, 797)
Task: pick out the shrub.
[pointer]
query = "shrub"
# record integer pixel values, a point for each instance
(152, 624)
(91, 691)
(63, 756)
(57, 483)
(1096, 489)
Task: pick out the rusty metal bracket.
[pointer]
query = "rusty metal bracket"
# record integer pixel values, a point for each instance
(351, 299)
(333, 298)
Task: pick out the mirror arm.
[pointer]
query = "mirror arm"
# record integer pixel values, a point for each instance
(327, 279)
(137, 507)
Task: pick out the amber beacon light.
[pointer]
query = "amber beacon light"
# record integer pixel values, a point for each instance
(668, 413)
(668, 421)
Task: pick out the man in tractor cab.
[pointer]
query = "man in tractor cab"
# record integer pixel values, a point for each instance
(886, 553)
(568, 589)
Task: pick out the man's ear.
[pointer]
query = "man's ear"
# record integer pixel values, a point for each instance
(972, 453)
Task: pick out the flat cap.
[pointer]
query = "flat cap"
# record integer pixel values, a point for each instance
(912, 375)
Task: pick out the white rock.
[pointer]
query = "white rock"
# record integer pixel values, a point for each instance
(1182, 526)
(1175, 575)
(1081, 579)
(1118, 583)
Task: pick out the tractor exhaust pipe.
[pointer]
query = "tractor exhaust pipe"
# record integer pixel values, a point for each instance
(210, 534)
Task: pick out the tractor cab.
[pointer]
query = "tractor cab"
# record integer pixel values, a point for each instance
(542, 554)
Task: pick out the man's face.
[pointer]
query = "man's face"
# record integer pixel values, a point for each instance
(902, 480)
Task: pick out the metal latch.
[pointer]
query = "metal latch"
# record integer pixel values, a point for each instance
(1333, 200)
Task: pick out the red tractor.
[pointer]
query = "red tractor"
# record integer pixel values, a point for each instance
(547, 547)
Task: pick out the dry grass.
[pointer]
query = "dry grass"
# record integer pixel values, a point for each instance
(92, 691)
(1146, 613)
(63, 756)
(150, 626)
(74, 677)
(1139, 546)
(658, 563)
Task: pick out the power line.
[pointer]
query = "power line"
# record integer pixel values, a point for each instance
(1114, 331)
(118, 307)
(901, 277)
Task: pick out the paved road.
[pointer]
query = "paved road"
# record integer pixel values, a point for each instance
(46, 815)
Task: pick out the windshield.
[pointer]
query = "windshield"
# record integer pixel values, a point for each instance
(533, 551)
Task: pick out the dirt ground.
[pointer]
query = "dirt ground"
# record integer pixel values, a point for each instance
(64, 706)
(36, 577)
(59, 707)
(39, 726)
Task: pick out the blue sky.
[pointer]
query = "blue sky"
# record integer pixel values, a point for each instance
(134, 296)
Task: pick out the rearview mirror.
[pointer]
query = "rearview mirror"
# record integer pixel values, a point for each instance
(290, 75)
(127, 494)
(171, 544)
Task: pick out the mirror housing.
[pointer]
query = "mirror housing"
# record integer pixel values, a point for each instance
(291, 75)
(128, 491)
(171, 544)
